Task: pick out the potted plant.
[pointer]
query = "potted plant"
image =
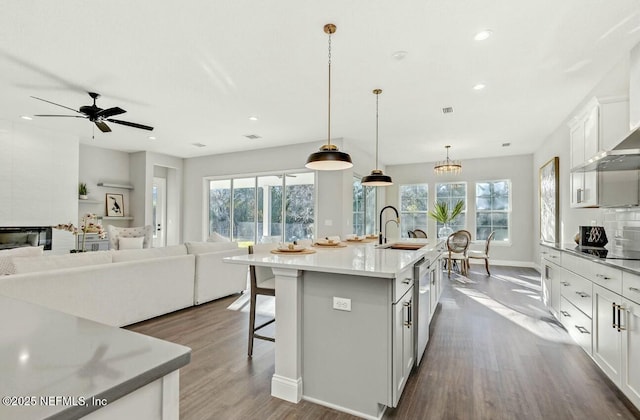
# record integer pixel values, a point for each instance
(82, 191)
(444, 215)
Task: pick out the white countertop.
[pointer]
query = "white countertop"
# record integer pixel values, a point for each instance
(46, 355)
(354, 259)
(631, 266)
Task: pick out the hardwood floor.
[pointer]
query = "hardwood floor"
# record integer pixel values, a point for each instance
(494, 353)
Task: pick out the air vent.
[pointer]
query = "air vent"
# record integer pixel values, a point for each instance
(252, 136)
(506, 144)
(447, 110)
(199, 144)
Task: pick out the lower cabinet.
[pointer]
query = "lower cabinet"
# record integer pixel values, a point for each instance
(630, 381)
(607, 340)
(403, 343)
(577, 324)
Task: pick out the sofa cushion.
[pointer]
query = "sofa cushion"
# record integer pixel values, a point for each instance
(204, 247)
(7, 256)
(216, 237)
(144, 254)
(130, 243)
(56, 262)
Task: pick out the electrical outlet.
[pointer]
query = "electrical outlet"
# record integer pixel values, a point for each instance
(342, 304)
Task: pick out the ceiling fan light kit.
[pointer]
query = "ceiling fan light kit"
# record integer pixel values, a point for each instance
(95, 114)
(377, 178)
(447, 166)
(329, 158)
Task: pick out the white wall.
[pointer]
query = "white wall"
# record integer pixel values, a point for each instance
(518, 169)
(38, 180)
(615, 83)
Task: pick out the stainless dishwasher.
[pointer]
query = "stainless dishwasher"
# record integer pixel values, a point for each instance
(422, 296)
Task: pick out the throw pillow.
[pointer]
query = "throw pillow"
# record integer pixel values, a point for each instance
(7, 255)
(130, 243)
(216, 237)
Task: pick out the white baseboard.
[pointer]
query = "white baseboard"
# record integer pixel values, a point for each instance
(286, 389)
(347, 410)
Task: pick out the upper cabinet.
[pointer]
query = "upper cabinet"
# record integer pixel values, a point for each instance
(598, 127)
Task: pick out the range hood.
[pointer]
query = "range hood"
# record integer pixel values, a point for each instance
(624, 157)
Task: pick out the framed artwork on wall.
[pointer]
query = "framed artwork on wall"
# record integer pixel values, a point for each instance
(549, 201)
(115, 205)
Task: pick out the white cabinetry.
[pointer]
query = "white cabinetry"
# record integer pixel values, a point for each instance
(600, 125)
(552, 274)
(607, 341)
(403, 343)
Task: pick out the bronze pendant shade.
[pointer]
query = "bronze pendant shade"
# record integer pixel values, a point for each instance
(377, 178)
(329, 158)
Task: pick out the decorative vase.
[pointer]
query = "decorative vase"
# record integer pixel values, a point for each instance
(444, 231)
(83, 197)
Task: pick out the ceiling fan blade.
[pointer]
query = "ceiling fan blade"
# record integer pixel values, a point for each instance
(102, 126)
(53, 103)
(110, 112)
(130, 124)
(54, 115)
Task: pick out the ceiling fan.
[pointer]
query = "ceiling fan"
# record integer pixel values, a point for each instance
(95, 114)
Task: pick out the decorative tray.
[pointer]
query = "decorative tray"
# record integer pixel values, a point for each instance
(293, 251)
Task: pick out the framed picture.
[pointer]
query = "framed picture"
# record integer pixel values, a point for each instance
(115, 205)
(549, 199)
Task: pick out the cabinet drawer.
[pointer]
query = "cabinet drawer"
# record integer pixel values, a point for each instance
(579, 291)
(608, 277)
(631, 286)
(577, 324)
(553, 255)
(403, 281)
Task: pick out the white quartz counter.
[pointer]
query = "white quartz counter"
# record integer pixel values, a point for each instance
(55, 365)
(630, 266)
(354, 259)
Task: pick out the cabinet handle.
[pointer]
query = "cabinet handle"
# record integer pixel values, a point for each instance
(582, 294)
(634, 289)
(582, 329)
(603, 277)
(579, 195)
(619, 327)
(613, 310)
(406, 280)
(565, 313)
(564, 283)
(408, 321)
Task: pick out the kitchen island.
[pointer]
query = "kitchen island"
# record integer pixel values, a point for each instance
(344, 336)
(59, 366)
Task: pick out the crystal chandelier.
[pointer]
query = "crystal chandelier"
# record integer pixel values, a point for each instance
(447, 166)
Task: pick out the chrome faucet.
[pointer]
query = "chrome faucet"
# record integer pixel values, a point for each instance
(383, 238)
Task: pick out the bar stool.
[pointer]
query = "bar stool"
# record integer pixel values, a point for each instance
(262, 282)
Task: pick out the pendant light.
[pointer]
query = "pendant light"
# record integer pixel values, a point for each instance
(447, 166)
(329, 158)
(377, 178)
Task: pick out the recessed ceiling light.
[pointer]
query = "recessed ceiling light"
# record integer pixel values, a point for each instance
(479, 86)
(399, 55)
(253, 118)
(26, 117)
(152, 138)
(482, 35)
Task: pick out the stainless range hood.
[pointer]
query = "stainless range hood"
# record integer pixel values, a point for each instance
(624, 157)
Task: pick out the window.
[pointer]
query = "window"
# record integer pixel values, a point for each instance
(364, 208)
(414, 206)
(451, 193)
(252, 209)
(493, 209)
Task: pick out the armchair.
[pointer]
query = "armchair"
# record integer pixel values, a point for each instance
(115, 233)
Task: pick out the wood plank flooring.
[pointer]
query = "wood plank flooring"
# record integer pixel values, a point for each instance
(494, 353)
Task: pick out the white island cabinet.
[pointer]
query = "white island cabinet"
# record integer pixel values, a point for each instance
(355, 360)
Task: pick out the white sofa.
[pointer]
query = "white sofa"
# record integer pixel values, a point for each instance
(124, 287)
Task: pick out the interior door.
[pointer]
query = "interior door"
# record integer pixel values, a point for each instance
(159, 194)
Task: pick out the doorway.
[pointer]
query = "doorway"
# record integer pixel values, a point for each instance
(159, 206)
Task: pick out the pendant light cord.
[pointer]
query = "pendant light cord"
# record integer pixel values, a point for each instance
(377, 97)
(329, 108)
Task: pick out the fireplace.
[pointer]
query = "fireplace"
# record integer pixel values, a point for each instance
(20, 236)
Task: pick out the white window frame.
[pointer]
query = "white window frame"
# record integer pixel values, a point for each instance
(403, 233)
(509, 211)
(464, 212)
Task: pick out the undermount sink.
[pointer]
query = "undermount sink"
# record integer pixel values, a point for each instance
(403, 246)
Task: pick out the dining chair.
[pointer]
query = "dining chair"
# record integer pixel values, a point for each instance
(483, 255)
(419, 233)
(411, 234)
(457, 246)
(262, 282)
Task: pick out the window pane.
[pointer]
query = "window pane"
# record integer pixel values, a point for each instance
(299, 210)
(244, 209)
(220, 207)
(493, 209)
(451, 193)
(370, 211)
(270, 208)
(358, 207)
(414, 204)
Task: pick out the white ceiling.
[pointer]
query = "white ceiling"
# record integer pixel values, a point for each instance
(196, 70)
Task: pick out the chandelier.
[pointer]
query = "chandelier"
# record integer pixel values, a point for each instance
(447, 166)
